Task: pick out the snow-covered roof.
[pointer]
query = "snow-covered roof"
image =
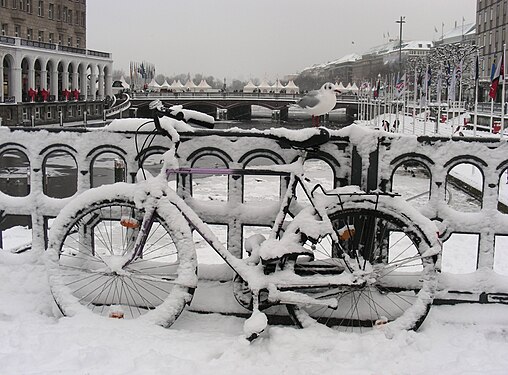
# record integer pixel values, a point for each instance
(176, 85)
(352, 57)
(393, 46)
(264, 85)
(165, 85)
(204, 85)
(278, 85)
(291, 85)
(153, 84)
(459, 31)
(250, 85)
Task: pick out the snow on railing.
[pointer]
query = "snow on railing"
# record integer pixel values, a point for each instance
(354, 155)
(125, 105)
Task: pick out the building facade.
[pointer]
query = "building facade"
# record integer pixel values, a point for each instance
(61, 22)
(491, 32)
(52, 76)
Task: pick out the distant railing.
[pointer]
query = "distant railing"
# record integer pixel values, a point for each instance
(36, 44)
(7, 40)
(110, 112)
(52, 46)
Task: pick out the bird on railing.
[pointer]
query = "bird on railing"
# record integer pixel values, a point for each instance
(319, 102)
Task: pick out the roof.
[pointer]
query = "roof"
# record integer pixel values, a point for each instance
(394, 45)
(459, 31)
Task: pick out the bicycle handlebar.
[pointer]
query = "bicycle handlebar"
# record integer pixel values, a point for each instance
(180, 114)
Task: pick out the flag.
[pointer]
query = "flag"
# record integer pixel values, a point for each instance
(400, 86)
(496, 76)
(477, 68)
(426, 84)
(458, 71)
(378, 87)
(439, 85)
(453, 83)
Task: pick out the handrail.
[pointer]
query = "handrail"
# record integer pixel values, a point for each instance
(119, 108)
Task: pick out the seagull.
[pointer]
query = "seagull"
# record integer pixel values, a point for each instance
(319, 102)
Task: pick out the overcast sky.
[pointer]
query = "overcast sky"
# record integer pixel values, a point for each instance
(258, 38)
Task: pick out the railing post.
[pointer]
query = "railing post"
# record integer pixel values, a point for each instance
(60, 115)
(119, 170)
(85, 120)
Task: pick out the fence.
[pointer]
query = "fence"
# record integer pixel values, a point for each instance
(354, 156)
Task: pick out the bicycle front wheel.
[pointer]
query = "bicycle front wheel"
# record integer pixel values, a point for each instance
(390, 244)
(93, 267)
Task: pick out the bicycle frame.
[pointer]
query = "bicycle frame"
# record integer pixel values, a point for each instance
(243, 268)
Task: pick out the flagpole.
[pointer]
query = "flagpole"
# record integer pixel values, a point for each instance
(404, 104)
(438, 97)
(460, 93)
(491, 114)
(503, 92)
(414, 104)
(477, 79)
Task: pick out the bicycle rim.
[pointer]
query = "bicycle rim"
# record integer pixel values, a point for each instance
(375, 237)
(94, 266)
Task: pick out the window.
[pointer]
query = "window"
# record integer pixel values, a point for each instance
(69, 42)
(14, 4)
(58, 12)
(41, 36)
(29, 33)
(51, 38)
(17, 31)
(21, 5)
(3, 3)
(83, 19)
(51, 10)
(4, 29)
(37, 113)
(29, 6)
(40, 9)
(78, 42)
(60, 38)
(69, 18)
(64, 14)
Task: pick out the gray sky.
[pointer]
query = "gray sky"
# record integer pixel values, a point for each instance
(258, 38)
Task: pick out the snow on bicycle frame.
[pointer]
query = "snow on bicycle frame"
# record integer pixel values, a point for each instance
(137, 282)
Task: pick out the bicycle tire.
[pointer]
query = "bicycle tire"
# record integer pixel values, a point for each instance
(399, 298)
(89, 266)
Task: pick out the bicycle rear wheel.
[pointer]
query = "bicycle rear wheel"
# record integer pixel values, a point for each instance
(396, 246)
(91, 262)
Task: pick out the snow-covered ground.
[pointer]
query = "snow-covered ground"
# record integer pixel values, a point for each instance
(36, 339)
(462, 339)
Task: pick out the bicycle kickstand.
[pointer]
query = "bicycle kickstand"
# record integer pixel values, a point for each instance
(257, 322)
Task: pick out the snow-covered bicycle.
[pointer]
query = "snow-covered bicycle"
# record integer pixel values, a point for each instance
(349, 259)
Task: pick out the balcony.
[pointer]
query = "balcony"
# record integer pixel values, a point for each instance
(13, 41)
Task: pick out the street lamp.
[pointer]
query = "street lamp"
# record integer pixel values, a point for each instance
(400, 22)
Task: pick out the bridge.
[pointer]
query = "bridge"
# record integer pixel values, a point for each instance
(353, 156)
(233, 105)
